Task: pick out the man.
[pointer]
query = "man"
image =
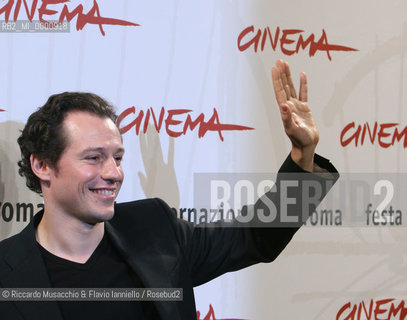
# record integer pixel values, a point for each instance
(71, 154)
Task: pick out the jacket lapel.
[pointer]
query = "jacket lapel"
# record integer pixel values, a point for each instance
(148, 266)
(27, 270)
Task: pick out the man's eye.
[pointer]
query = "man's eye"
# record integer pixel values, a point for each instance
(119, 159)
(93, 158)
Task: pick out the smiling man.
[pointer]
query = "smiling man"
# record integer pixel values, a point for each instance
(80, 189)
(71, 154)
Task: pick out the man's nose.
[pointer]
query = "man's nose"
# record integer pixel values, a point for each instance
(112, 170)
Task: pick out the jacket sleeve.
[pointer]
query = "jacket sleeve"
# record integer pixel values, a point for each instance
(215, 249)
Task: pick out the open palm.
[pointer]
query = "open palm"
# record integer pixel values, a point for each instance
(296, 115)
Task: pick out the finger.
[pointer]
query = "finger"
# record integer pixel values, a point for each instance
(155, 145)
(171, 153)
(279, 91)
(143, 182)
(303, 87)
(285, 85)
(283, 77)
(143, 149)
(290, 84)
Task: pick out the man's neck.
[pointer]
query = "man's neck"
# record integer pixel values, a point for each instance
(67, 238)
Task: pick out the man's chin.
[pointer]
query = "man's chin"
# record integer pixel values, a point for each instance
(100, 218)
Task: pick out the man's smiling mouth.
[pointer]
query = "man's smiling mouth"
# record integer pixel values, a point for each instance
(104, 192)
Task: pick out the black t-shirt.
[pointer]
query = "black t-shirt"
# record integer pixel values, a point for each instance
(104, 269)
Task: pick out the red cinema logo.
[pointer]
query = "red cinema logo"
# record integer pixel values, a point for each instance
(384, 134)
(290, 41)
(385, 309)
(177, 122)
(52, 9)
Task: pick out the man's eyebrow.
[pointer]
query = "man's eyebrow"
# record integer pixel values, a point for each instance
(101, 149)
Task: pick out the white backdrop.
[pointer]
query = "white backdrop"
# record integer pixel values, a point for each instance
(187, 55)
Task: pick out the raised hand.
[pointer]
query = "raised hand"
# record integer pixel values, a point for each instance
(160, 179)
(296, 115)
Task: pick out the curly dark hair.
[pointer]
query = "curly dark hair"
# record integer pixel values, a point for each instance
(43, 133)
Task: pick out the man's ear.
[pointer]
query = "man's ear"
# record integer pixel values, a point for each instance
(40, 168)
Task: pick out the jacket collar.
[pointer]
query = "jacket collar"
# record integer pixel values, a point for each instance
(27, 270)
(148, 265)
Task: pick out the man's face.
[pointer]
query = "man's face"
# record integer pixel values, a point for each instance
(88, 175)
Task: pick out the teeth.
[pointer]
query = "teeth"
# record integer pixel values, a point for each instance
(104, 192)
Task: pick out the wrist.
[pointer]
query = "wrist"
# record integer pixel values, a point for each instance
(304, 157)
